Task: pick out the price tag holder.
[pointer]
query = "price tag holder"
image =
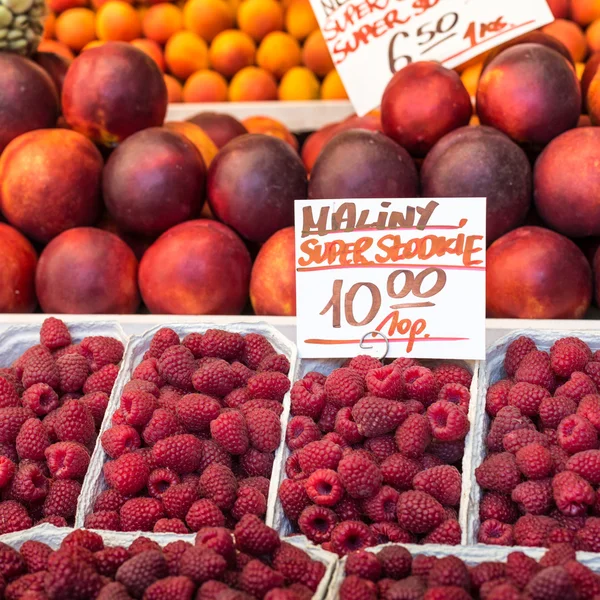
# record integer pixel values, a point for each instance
(411, 270)
(370, 40)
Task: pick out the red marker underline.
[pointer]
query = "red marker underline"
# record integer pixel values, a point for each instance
(324, 342)
(390, 266)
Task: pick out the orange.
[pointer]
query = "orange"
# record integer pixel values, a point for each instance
(152, 49)
(259, 17)
(315, 54)
(231, 51)
(76, 27)
(571, 35)
(205, 86)
(196, 135)
(333, 88)
(470, 77)
(186, 53)
(278, 53)
(117, 21)
(299, 83)
(49, 26)
(174, 89)
(300, 19)
(593, 36)
(56, 47)
(162, 21)
(252, 84)
(207, 18)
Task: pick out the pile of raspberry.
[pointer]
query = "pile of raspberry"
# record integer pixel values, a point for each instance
(193, 441)
(52, 402)
(542, 473)
(393, 574)
(247, 563)
(376, 454)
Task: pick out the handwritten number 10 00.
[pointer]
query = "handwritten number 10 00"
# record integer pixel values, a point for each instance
(428, 35)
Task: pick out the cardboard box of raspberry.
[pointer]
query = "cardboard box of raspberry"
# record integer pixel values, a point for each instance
(537, 473)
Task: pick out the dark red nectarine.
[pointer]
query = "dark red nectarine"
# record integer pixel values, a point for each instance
(219, 127)
(18, 260)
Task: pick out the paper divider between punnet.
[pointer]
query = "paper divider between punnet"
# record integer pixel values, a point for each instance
(15, 340)
(94, 482)
(472, 555)
(281, 523)
(490, 372)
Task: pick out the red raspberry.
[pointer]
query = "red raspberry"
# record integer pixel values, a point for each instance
(141, 514)
(456, 394)
(447, 421)
(262, 484)
(527, 397)
(97, 403)
(324, 487)
(13, 517)
(420, 384)
(317, 523)
(249, 501)
(377, 416)
(449, 571)
(109, 500)
(443, 483)
(592, 370)
(53, 520)
(419, 512)
(348, 509)
(572, 493)
(535, 461)
(496, 533)
(128, 474)
(381, 507)
(553, 410)
(573, 341)
(443, 453)
(218, 483)
(73, 372)
(264, 429)
(178, 499)
(180, 453)
(275, 362)
(242, 373)
(262, 404)
(381, 447)
(256, 348)
(355, 588)
(204, 513)
(176, 366)
(399, 471)
(497, 396)
(327, 421)
(35, 555)
(12, 565)
(29, 483)
(413, 436)
(213, 453)
(196, 411)
(359, 475)
(70, 575)
(533, 530)
(535, 368)
(101, 351)
(587, 465)
(344, 387)
(385, 382)
(142, 544)
(230, 431)
(40, 398)
(270, 385)
(350, 536)
(237, 398)
(163, 424)
(147, 370)
(516, 440)
(141, 571)
(307, 398)
(214, 379)
(576, 434)
(557, 555)
(74, 423)
(137, 407)
(8, 393)
(163, 339)
(32, 440)
(552, 583)
(390, 533)
(257, 464)
(7, 470)
(119, 440)
(293, 498)
(202, 564)
(499, 473)
(448, 373)
(54, 334)
(62, 498)
(160, 480)
(508, 419)
(41, 368)
(579, 386)
(363, 564)
(346, 430)
(258, 579)
(321, 454)
(486, 571)
(218, 540)
(516, 351)
(588, 538)
(363, 363)
(11, 421)
(568, 358)
(138, 385)
(520, 568)
(301, 431)
(170, 526)
(585, 581)
(106, 519)
(296, 566)
(589, 408)
(534, 497)
(67, 460)
(221, 344)
(449, 532)
(253, 537)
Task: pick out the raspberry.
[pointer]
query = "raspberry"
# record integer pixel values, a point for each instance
(213, 453)
(572, 493)
(262, 484)
(128, 474)
(486, 571)
(568, 358)
(262, 404)
(385, 382)
(230, 431)
(447, 421)
(420, 384)
(533, 530)
(497, 396)
(275, 362)
(346, 430)
(249, 501)
(553, 410)
(377, 416)
(11, 420)
(163, 424)
(419, 512)
(170, 526)
(296, 566)
(256, 348)
(54, 334)
(552, 583)
(585, 581)
(96, 403)
(364, 564)
(12, 564)
(8, 394)
(381, 507)
(104, 519)
(201, 564)
(359, 475)
(137, 407)
(344, 387)
(109, 500)
(101, 351)
(41, 368)
(557, 555)
(399, 471)
(138, 385)
(449, 532)
(67, 460)
(221, 344)
(141, 571)
(53, 520)
(363, 363)
(178, 499)
(579, 386)
(270, 385)
(508, 419)
(592, 370)
(443, 453)
(218, 483)
(324, 487)
(264, 429)
(321, 454)
(214, 379)
(589, 408)
(355, 588)
(449, 571)
(73, 372)
(32, 440)
(160, 480)
(516, 351)
(527, 397)
(534, 461)
(448, 373)
(443, 483)
(350, 536)
(327, 420)
(534, 497)
(307, 398)
(176, 366)
(61, 500)
(535, 368)
(257, 464)
(253, 537)
(29, 483)
(196, 411)
(237, 398)
(587, 465)
(576, 434)
(180, 453)
(456, 394)
(119, 440)
(496, 533)
(164, 338)
(520, 568)
(258, 579)
(498, 473)
(413, 436)
(381, 447)
(301, 431)
(70, 575)
(141, 514)
(589, 537)
(142, 544)
(317, 523)
(33, 558)
(204, 513)
(390, 533)
(293, 498)
(13, 517)
(74, 423)
(147, 370)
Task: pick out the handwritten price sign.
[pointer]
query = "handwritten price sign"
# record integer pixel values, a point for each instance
(411, 269)
(370, 40)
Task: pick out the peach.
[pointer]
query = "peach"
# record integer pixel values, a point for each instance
(584, 12)
(183, 271)
(152, 49)
(186, 53)
(18, 261)
(174, 89)
(56, 66)
(162, 21)
(76, 27)
(591, 68)
(300, 20)
(205, 86)
(113, 91)
(258, 18)
(118, 21)
(593, 36)
(560, 8)
(333, 88)
(422, 103)
(28, 98)
(54, 47)
(50, 182)
(474, 162)
(363, 164)
(49, 26)
(153, 181)
(567, 183)
(207, 18)
(535, 273)
(252, 84)
(273, 279)
(199, 138)
(530, 93)
(219, 127)
(571, 35)
(299, 83)
(270, 126)
(278, 53)
(230, 51)
(58, 6)
(87, 271)
(593, 98)
(315, 54)
(252, 185)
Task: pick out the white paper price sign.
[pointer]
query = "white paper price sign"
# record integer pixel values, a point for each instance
(411, 269)
(370, 40)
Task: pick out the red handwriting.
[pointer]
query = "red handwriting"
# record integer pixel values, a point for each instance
(422, 6)
(476, 35)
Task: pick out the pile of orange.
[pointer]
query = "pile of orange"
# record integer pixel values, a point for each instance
(209, 50)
